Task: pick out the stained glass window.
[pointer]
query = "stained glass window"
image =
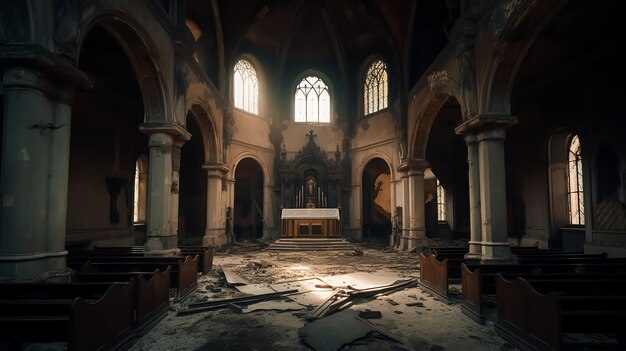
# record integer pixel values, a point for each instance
(441, 203)
(246, 87)
(376, 87)
(576, 206)
(312, 101)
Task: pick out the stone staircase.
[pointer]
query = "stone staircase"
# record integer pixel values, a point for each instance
(312, 244)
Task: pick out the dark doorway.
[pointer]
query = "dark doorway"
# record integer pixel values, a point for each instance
(248, 221)
(376, 192)
(193, 187)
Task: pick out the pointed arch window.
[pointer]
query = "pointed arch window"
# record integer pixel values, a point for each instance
(312, 101)
(576, 205)
(376, 87)
(140, 188)
(441, 203)
(246, 87)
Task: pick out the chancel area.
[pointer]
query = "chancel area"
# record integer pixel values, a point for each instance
(478, 142)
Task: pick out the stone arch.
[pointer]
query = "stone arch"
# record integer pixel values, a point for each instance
(515, 25)
(426, 116)
(377, 199)
(208, 130)
(142, 54)
(248, 154)
(382, 156)
(250, 198)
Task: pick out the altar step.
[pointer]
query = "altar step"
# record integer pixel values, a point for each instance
(311, 244)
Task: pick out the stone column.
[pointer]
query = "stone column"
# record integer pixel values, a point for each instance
(33, 182)
(406, 213)
(356, 213)
(162, 209)
(393, 183)
(159, 237)
(474, 199)
(490, 132)
(417, 231)
(58, 185)
(175, 188)
(495, 245)
(215, 234)
(268, 213)
(413, 226)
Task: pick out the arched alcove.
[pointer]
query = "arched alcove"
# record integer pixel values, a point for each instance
(248, 206)
(446, 154)
(376, 201)
(192, 208)
(105, 144)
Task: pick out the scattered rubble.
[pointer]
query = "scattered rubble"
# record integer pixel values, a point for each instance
(277, 301)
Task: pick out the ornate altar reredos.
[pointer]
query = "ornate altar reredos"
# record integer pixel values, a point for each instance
(311, 179)
(310, 192)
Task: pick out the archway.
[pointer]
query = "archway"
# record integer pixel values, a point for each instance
(192, 210)
(569, 82)
(447, 181)
(248, 206)
(105, 145)
(376, 201)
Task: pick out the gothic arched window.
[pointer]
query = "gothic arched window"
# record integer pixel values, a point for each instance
(140, 190)
(246, 87)
(576, 206)
(442, 215)
(375, 88)
(312, 101)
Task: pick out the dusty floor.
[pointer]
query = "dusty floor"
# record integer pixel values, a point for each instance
(433, 326)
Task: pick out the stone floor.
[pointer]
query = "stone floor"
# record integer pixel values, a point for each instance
(432, 325)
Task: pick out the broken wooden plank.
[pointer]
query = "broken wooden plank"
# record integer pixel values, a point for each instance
(222, 303)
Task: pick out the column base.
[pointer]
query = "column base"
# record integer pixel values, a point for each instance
(215, 237)
(474, 251)
(34, 267)
(161, 245)
(497, 253)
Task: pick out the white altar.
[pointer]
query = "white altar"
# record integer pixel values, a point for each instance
(309, 222)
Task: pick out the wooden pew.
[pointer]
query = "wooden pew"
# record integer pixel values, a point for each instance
(479, 280)
(434, 276)
(184, 273)
(532, 316)
(151, 295)
(204, 252)
(436, 273)
(86, 316)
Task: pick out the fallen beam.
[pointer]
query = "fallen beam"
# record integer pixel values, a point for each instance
(223, 303)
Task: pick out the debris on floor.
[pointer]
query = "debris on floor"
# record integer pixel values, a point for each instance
(324, 334)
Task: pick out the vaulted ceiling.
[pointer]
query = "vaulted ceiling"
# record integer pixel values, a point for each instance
(334, 36)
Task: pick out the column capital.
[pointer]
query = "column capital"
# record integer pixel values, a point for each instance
(485, 122)
(55, 67)
(174, 129)
(413, 166)
(215, 170)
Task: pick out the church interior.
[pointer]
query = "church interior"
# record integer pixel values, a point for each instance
(477, 144)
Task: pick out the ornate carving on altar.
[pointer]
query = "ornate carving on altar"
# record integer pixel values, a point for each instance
(312, 179)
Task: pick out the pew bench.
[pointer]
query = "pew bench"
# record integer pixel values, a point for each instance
(478, 281)
(151, 295)
(535, 314)
(77, 317)
(205, 253)
(184, 274)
